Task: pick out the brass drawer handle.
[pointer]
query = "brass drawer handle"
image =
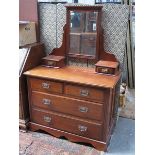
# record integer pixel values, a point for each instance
(105, 70)
(45, 85)
(82, 128)
(50, 63)
(83, 109)
(84, 92)
(46, 101)
(47, 119)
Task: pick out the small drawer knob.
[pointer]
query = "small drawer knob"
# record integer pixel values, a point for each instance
(82, 128)
(45, 85)
(84, 92)
(46, 101)
(83, 109)
(47, 119)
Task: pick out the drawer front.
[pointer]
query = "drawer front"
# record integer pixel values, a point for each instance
(72, 125)
(87, 93)
(66, 105)
(46, 86)
(105, 70)
(49, 63)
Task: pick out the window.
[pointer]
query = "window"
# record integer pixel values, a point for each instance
(107, 1)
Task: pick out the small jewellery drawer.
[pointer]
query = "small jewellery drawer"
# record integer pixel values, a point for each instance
(77, 126)
(67, 105)
(92, 94)
(107, 67)
(45, 85)
(105, 70)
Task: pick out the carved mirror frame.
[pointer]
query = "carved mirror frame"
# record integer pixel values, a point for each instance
(82, 10)
(100, 53)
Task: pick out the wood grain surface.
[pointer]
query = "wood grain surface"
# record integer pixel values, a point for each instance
(75, 75)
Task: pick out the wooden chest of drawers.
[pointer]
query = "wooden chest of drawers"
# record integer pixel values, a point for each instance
(73, 103)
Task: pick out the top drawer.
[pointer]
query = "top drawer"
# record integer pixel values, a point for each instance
(88, 93)
(45, 85)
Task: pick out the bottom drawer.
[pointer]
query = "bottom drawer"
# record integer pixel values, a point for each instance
(66, 123)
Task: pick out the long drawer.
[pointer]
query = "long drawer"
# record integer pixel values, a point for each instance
(67, 105)
(46, 86)
(77, 126)
(88, 93)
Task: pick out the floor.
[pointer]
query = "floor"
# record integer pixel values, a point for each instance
(122, 143)
(123, 139)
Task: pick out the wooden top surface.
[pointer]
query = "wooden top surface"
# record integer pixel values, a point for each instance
(107, 64)
(75, 75)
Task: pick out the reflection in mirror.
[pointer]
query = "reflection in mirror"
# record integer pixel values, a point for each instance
(83, 33)
(83, 21)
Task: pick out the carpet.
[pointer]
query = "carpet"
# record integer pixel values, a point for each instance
(36, 143)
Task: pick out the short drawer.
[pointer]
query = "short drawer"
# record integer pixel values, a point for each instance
(105, 70)
(69, 124)
(107, 67)
(92, 94)
(67, 105)
(45, 86)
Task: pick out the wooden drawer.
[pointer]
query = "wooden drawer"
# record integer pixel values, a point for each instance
(107, 67)
(67, 105)
(87, 93)
(105, 70)
(66, 123)
(53, 61)
(46, 86)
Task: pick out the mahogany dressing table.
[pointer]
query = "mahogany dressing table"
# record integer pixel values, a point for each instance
(68, 95)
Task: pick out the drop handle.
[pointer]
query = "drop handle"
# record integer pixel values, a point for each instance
(84, 92)
(46, 101)
(83, 109)
(50, 63)
(105, 70)
(47, 119)
(82, 128)
(45, 85)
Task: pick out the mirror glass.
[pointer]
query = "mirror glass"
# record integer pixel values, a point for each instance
(83, 33)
